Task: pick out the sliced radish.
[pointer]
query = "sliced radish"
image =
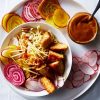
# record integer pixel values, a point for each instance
(93, 58)
(14, 74)
(85, 57)
(75, 65)
(33, 85)
(98, 61)
(68, 84)
(98, 53)
(95, 67)
(86, 78)
(90, 57)
(79, 75)
(86, 69)
(77, 83)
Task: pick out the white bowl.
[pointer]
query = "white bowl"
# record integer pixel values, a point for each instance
(58, 35)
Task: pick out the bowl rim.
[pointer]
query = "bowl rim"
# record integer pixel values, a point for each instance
(31, 93)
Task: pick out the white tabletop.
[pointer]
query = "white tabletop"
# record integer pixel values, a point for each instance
(7, 94)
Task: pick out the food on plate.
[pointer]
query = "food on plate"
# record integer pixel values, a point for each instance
(48, 85)
(47, 39)
(47, 7)
(5, 19)
(58, 66)
(53, 56)
(14, 74)
(34, 57)
(53, 13)
(59, 47)
(59, 14)
(30, 11)
(60, 17)
(49, 20)
(83, 69)
(34, 85)
(81, 29)
(10, 21)
(35, 10)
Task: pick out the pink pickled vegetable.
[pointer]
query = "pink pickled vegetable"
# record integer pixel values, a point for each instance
(86, 77)
(14, 74)
(79, 75)
(77, 83)
(75, 64)
(84, 68)
(30, 11)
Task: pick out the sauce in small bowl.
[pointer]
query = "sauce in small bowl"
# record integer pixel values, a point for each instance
(81, 29)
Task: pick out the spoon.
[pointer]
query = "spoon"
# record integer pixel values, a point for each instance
(94, 12)
(96, 9)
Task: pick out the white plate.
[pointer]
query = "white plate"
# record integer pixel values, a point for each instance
(69, 94)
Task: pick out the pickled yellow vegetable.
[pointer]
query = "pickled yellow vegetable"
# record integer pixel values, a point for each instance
(60, 18)
(5, 19)
(13, 22)
(49, 20)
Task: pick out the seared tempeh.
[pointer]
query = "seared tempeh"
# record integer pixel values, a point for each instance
(59, 47)
(54, 64)
(47, 73)
(46, 40)
(48, 85)
(58, 67)
(53, 56)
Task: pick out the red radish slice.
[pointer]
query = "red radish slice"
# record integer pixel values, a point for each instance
(95, 67)
(93, 58)
(30, 11)
(85, 58)
(33, 85)
(79, 75)
(75, 66)
(90, 57)
(87, 78)
(86, 69)
(68, 84)
(14, 74)
(77, 83)
(98, 61)
(98, 53)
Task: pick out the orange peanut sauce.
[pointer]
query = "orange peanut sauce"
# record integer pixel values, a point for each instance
(82, 29)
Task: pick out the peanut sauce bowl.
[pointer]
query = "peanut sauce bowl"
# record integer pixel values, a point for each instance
(68, 61)
(81, 29)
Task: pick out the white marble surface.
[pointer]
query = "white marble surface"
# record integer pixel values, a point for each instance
(7, 94)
